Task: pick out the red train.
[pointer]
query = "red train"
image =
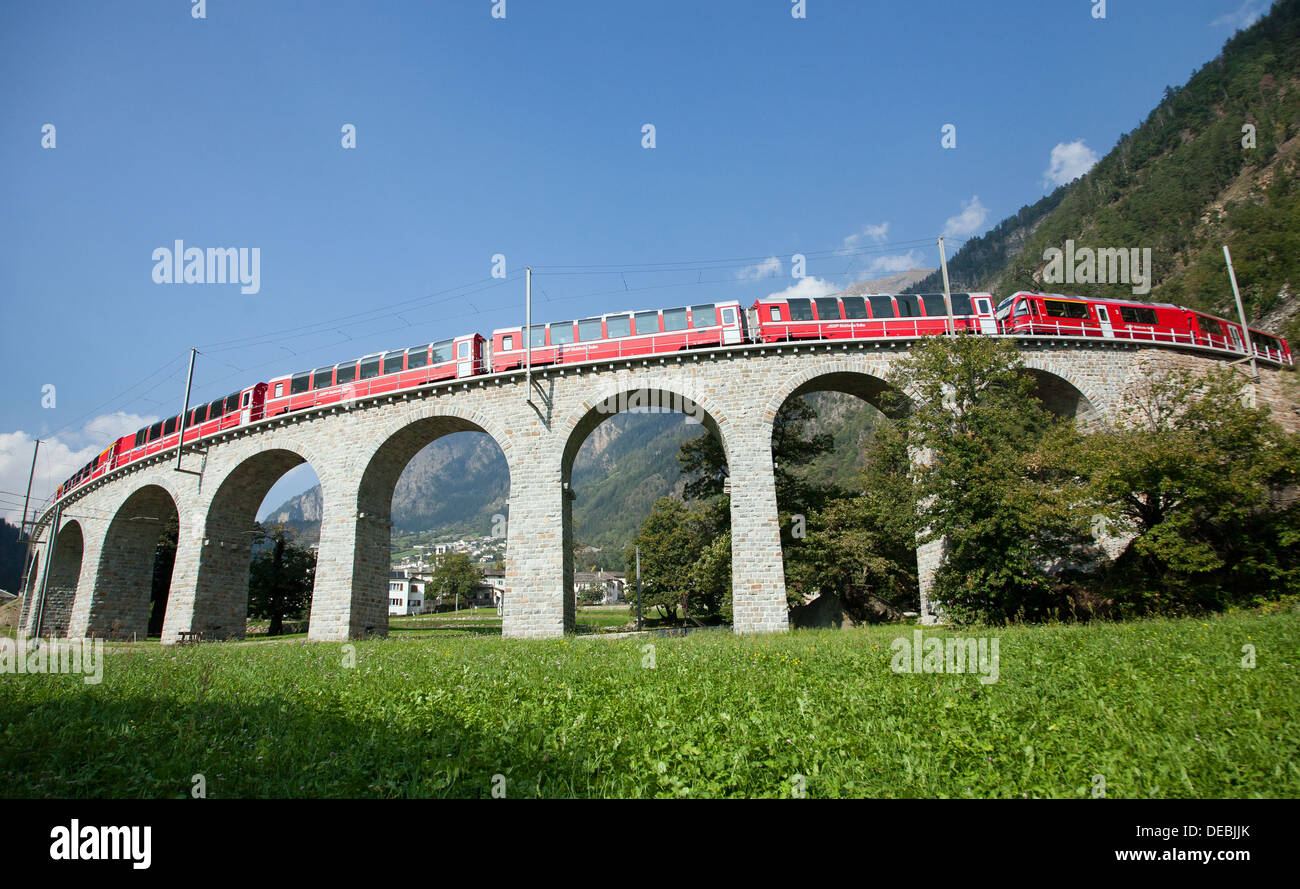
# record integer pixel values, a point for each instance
(704, 326)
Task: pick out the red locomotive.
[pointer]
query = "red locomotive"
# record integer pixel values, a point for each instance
(704, 326)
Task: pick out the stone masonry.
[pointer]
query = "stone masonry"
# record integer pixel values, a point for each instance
(103, 555)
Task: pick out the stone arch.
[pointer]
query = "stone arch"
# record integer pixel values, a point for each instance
(121, 603)
(399, 442)
(864, 382)
(1063, 394)
(224, 534)
(64, 567)
(611, 398)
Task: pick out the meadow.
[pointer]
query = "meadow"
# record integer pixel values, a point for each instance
(1159, 708)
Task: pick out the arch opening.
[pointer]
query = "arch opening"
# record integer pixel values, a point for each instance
(623, 483)
(1061, 397)
(839, 460)
(133, 583)
(431, 539)
(257, 549)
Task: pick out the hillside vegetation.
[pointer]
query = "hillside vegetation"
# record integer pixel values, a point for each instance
(1184, 183)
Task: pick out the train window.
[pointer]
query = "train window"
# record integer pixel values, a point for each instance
(369, 368)
(1059, 308)
(279, 390)
(561, 333)
(589, 329)
(417, 356)
(881, 306)
(537, 336)
(800, 309)
(346, 373)
(507, 343)
(776, 313)
(441, 352)
(197, 415)
(647, 322)
(704, 316)
(170, 426)
(828, 308)
(961, 304)
(393, 362)
(322, 378)
(1264, 341)
(908, 306)
(155, 431)
(1132, 314)
(674, 319)
(299, 383)
(248, 396)
(140, 437)
(232, 403)
(215, 409)
(462, 349)
(618, 325)
(1022, 307)
(934, 306)
(854, 307)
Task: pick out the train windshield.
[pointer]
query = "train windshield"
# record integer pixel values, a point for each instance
(1004, 309)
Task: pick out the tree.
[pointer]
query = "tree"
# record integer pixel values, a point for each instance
(1206, 483)
(455, 577)
(990, 480)
(591, 594)
(863, 548)
(674, 541)
(281, 576)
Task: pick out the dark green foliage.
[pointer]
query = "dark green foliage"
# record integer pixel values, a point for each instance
(455, 577)
(1208, 486)
(163, 563)
(280, 577)
(987, 481)
(12, 552)
(679, 559)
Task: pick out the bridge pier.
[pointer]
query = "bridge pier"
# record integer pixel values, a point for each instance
(757, 569)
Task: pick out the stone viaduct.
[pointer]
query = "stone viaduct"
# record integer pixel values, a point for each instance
(100, 579)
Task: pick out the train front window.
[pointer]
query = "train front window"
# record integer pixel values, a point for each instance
(370, 368)
(800, 309)
(561, 333)
(674, 319)
(323, 378)
(589, 329)
(1022, 308)
(647, 322)
(441, 352)
(417, 356)
(346, 373)
(618, 325)
(704, 316)
(961, 304)
(855, 307)
(299, 383)
(828, 308)
(881, 306)
(1004, 309)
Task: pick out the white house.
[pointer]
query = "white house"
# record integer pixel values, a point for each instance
(405, 595)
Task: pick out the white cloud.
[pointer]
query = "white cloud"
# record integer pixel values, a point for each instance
(876, 234)
(808, 288)
(60, 456)
(768, 268)
(969, 221)
(1246, 15)
(1070, 160)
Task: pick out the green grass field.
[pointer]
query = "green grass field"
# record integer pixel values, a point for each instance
(1159, 708)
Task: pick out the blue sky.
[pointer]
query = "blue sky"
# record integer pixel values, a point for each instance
(519, 136)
